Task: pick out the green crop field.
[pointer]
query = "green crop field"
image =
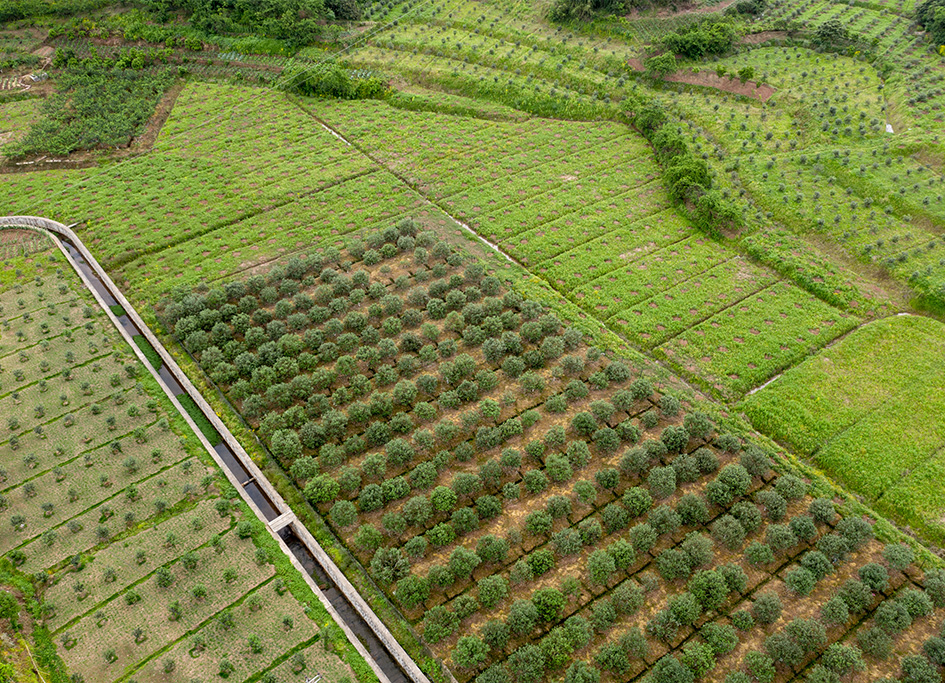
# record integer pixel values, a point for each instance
(868, 411)
(593, 342)
(145, 563)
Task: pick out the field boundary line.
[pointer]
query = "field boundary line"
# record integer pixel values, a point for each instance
(735, 302)
(645, 255)
(357, 601)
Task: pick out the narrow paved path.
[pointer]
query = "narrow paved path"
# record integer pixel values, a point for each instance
(272, 510)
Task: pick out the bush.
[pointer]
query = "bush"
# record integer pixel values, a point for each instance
(523, 615)
(470, 652)
(843, 659)
(755, 461)
(874, 576)
(817, 563)
(412, 590)
(892, 617)
(916, 602)
(672, 564)
(766, 609)
(439, 623)
(389, 565)
(721, 638)
(728, 531)
(898, 555)
(835, 611)
(856, 595)
(760, 666)
(669, 670)
(709, 588)
(492, 590)
(809, 634)
(780, 537)
(918, 669)
(759, 554)
(791, 487)
(783, 650)
(549, 602)
(664, 519)
(662, 481)
(600, 567)
(934, 649)
(875, 642)
(934, 583)
(800, 580)
(343, 513)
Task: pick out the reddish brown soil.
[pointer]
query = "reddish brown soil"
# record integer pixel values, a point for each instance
(763, 37)
(709, 79)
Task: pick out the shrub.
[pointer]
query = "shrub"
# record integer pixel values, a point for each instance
(774, 504)
(875, 642)
(760, 666)
(916, 602)
(462, 562)
(541, 561)
(439, 623)
(728, 531)
(800, 580)
(412, 590)
(892, 617)
(791, 487)
(780, 537)
(470, 652)
(835, 611)
(638, 501)
(743, 620)
(874, 576)
(662, 481)
(918, 669)
(673, 563)
(664, 520)
(523, 615)
(842, 659)
(709, 588)
(343, 513)
(822, 510)
(934, 582)
(491, 548)
(855, 530)
(766, 609)
(856, 595)
(898, 555)
(492, 590)
(809, 634)
(549, 602)
(783, 650)
(817, 563)
(721, 638)
(600, 567)
(759, 554)
(755, 461)
(934, 649)
(603, 614)
(668, 669)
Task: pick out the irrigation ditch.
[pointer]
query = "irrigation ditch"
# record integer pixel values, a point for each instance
(363, 628)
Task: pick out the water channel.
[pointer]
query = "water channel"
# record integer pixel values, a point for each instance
(385, 661)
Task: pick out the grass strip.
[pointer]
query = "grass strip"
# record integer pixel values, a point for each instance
(200, 419)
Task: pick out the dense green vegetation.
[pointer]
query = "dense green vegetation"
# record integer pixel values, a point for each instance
(97, 105)
(712, 196)
(524, 499)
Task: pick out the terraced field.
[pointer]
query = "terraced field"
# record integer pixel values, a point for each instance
(147, 563)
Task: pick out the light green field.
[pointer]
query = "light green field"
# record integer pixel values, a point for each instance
(870, 411)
